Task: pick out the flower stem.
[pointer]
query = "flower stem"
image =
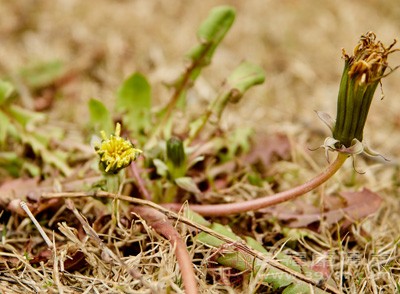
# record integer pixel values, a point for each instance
(266, 201)
(140, 182)
(159, 222)
(112, 182)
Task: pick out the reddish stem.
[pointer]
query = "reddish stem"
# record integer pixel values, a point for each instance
(266, 201)
(139, 181)
(161, 225)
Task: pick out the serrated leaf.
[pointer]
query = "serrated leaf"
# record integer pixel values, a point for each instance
(210, 33)
(244, 262)
(134, 99)
(100, 117)
(187, 184)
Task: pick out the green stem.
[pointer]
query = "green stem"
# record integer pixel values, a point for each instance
(112, 182)
(170, 193)
(266, 201)
(186, 81)
(215, 109)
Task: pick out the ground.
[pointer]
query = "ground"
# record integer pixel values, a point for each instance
(297, 43)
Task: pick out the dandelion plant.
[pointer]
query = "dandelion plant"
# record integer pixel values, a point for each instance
(362, 74)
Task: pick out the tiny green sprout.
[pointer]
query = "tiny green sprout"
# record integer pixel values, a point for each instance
(115, 152)
(362, 74)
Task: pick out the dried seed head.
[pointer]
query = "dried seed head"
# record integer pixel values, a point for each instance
(362, 74)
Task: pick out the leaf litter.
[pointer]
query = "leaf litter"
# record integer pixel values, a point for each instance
(346, 208)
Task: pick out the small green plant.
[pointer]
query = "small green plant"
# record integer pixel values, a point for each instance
(154, 132)
(22, 129)
(361, 76)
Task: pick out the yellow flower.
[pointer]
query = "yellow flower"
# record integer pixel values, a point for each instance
(115, 152)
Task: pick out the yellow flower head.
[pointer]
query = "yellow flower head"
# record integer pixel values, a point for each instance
(115, 152)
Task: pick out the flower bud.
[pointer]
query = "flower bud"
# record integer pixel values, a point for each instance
(175, 152)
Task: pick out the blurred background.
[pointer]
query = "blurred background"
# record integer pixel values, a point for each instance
(298, 43)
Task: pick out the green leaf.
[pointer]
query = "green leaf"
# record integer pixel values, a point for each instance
(244, 262)
(31, 168)
(42, 74)
(239, 139)
(214, 241)
(100, 117)
(11, 162)
(211, 33)
(161, 167)
(134, 99)
(39, 144)
(245, 76)
(197, 218)
(253, 243)
(6, 90)
(25, 116)
(187, 184)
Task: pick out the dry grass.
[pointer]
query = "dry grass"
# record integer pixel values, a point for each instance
(298, 44)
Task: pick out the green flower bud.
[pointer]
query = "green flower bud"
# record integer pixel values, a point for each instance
(362, 74)
(115, 152)
(176, 152)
